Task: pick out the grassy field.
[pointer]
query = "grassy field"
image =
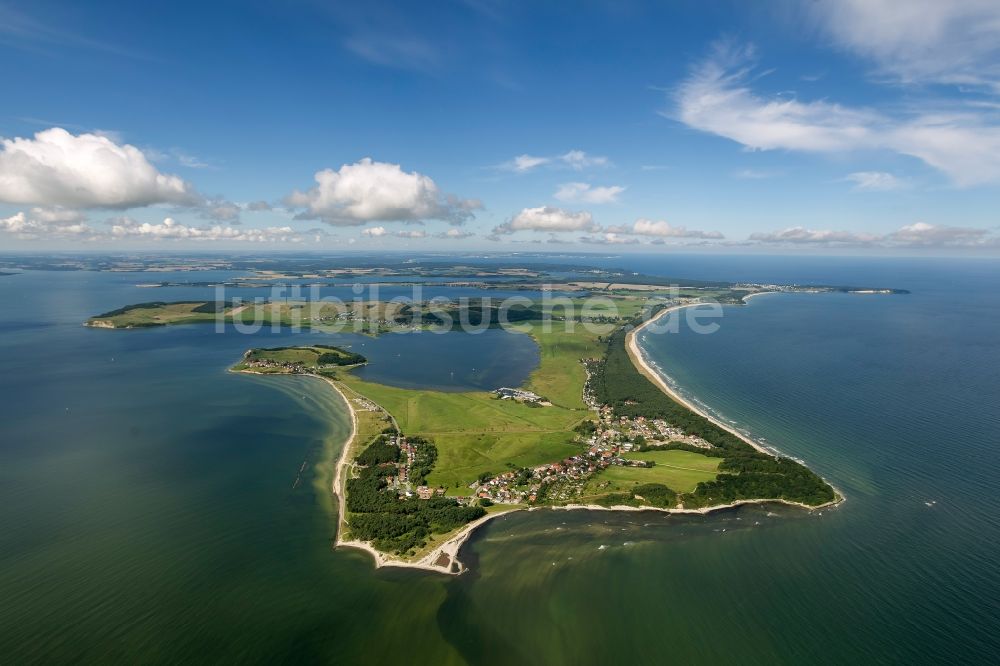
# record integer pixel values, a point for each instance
(464, 456)
(560, 375)
(680, 471)
(476, 432)
(153, 314)
(370, 425)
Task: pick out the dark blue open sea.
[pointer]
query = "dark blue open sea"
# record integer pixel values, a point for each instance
(156, 509)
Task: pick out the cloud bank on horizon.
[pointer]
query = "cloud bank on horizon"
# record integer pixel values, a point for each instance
(842, 125)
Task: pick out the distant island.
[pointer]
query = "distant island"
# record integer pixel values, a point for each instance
(312, 359)
(593, 427)
(378, 316)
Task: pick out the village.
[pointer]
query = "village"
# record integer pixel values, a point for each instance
(360, 320)
(290, 367)
(607, 442)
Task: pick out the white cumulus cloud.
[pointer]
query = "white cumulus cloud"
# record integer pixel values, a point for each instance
(455, 234)
(923, 234)
(586, 193)
(57, 216)
(663, 229)
(56, 168)
(609, 238)
(374, 232)
(42, 223)
(370, 191)
(59, 223)
(170, 229)
(548, 218)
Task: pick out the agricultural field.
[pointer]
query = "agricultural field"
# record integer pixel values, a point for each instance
(681, 471)
(357, 317)
(144, 315)
(560, 375)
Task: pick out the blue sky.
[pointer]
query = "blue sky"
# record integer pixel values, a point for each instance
(856, 126)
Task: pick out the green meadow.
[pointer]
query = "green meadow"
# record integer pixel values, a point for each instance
(680, 471)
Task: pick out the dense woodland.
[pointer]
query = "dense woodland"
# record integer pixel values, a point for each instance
(338, 356)
(390, 523)
(745, 473)
(380, 451)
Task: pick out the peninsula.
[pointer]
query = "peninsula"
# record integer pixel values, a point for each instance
(594, 426)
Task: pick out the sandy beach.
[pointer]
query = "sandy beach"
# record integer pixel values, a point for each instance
(442, 559)
(702, 511)
(432, 561)
(639, 359)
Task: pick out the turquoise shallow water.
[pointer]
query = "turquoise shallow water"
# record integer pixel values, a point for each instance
(152, 507)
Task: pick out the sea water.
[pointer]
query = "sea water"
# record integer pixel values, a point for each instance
(155, 508)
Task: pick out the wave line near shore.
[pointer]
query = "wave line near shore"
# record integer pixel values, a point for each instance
(640, 361)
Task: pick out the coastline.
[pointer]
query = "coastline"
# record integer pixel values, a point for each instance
(428, 562)
(704, 511)
(451, 546)
(649, 372)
